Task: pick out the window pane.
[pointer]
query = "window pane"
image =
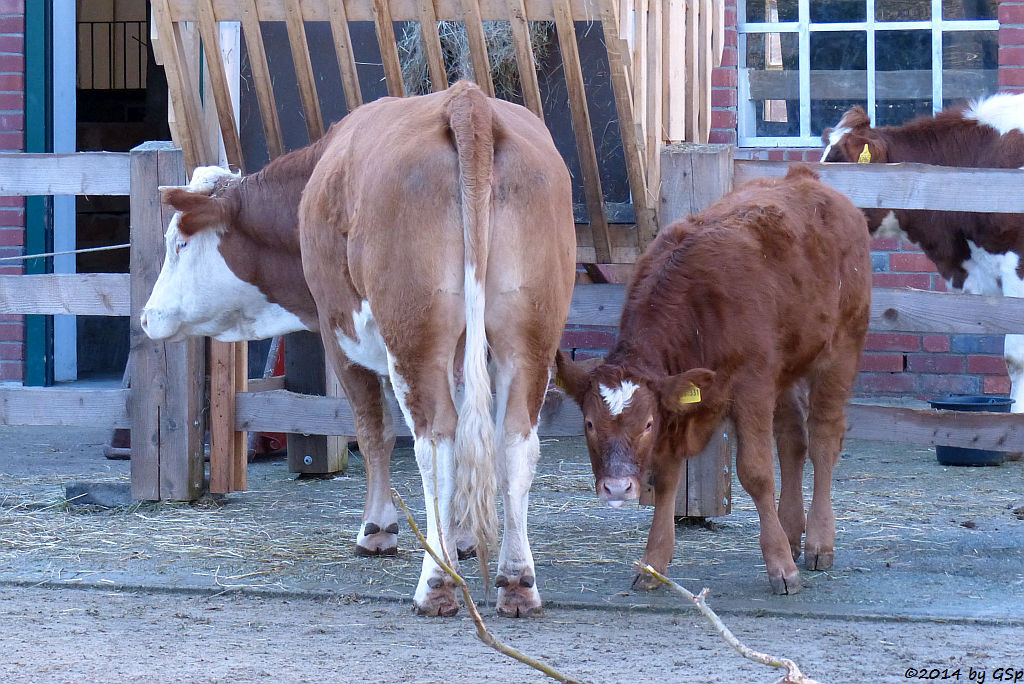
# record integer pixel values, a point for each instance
(969, 9)
(903, 10)
(970, 62)
(903, 76)
(838, 76)
(772, 68)
(838, 10)
(757, 10)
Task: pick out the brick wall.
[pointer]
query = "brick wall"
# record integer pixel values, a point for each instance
(12, 139)
(921, 366)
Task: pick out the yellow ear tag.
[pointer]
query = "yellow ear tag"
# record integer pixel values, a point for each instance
(690, 395)
(865, 156)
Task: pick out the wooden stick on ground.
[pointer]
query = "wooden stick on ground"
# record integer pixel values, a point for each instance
(793, 673)
(481, 628)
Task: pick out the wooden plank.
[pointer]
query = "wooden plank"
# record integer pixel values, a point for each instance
(383, 22)
(694, 177)
(910, 186)
(210, 33)
(309, 451)
(926, 427)
(76, 173)
(836, 84)
(432, 46)
(655, 130)
(106, 408)
(275, 382)
(401, 10)
(704, 64)
(717, 31)
(673, 82)
(250, 19)
(692, 83)
(906, 310)
(582, 129)
(78, 294)
(346, 57)
(520, 26)
(597, 305)
(477, 46)
(222, 416)
(639, 72)
(240, 447)
(303, 70)
(706, 488)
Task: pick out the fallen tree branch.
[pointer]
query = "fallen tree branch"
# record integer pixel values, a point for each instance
(793, 673)
(481, 629)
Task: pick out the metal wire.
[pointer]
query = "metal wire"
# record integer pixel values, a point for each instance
(71, 251)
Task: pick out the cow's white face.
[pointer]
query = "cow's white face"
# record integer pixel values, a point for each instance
(197, 293)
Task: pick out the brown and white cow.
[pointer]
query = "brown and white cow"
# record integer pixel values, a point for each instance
(976, 253)
(728, 313)
(431, 230)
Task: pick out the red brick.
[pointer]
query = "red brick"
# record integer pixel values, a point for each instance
(12, 122)
(723, 97)
(12, 83)
(11, 63)
(883, 363)
(892, 342)
(10, 372)
(935, 343)
(1009, 35)
(1011, 13)
(10, 201)
(10, 270)
(989, 365)
(11, 351)
(12, 332)
(12, 216)
(920, 281)
(1011, 76)
(915, 263)
(884, 244)
(727, 137)
(12, 7)
(12, 318)
(938, 385)
(723, 118)
(724, 77)
(935, 363)
(883, 383)
(776, 155)
(12, 238)
(12, 102)
(1011, 56)
(12, 140)
(995, 384)
(12, 43)
(796, 155)
(907, 246)
(729, 55)
(15, 24)
(939, 284)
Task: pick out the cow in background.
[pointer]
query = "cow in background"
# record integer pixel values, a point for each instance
(976, 253)
(727, 314)
(431, 230)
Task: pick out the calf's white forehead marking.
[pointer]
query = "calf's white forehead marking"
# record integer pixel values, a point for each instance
(833, 139)
(204, 178)
(367, 347)
(618, 398)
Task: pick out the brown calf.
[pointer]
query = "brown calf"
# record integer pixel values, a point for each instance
(727, 314)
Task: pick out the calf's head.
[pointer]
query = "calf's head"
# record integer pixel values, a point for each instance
(629, 419)
(197, 292)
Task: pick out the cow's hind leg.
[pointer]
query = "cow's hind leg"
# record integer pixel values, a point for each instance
(756, 470)
(790, 426)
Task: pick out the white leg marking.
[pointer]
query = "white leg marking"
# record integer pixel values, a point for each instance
(519, 457)
(439, 482)
(1013, 345)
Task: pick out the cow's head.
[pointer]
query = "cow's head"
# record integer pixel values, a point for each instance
(627, 418)
(197, 292)
(853, 140)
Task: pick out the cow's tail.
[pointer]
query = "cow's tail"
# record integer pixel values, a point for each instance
(471, 121)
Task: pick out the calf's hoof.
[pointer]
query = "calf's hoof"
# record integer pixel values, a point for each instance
(439, 600)
(518, 597)
(821, 559)
(789, 584)
(644, 582)
(373, 541)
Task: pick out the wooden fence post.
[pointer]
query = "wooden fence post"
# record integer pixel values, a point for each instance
(692, 178)
(166, 399)
(305, 371)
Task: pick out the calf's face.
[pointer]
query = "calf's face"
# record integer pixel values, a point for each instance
(197, 292)
(627, 419)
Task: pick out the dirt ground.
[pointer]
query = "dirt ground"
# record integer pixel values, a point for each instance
(929, 575)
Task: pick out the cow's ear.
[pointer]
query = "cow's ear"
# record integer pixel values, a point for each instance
(573, 376)
(688, 390)
(199, 211)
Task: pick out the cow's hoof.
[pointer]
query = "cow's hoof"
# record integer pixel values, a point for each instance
(518, 597)
(644, 582)
(790, 584)
(374, 541)
(439, 600)
(795, 550)
(821, 559)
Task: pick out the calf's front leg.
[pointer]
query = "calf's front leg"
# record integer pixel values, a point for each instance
(661, 540)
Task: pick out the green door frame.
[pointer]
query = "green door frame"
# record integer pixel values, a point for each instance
(38, 210)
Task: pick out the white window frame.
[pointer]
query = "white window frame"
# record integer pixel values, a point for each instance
(804, 27)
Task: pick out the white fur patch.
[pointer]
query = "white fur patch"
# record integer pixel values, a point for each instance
(367, 348)
(984, 271)
(1003, 112)
(618, 398)
(833, 139)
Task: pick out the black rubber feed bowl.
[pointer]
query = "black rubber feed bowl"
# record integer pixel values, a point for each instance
(959, 456)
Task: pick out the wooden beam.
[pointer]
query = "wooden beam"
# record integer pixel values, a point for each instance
(432, 46)
(303, 70)
(76, 173)
(836, 84)
(250, 19)
(655, 129)
(523, 44)
(346, 57)
(582, 129)
(692, 83)
(695, 176)
(310, 451)
(210, 33)
(910, 186)
(906, 310)
(383, 22)
(222, 417)
(107, 408)
(673, 82)
(77, 294)
(704, 65)
(927, 427)
(477, 46)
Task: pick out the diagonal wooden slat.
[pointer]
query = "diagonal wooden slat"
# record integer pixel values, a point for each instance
(432, 45)
(655, 132)
(219, 82)
(384, 24)
(250, 20)
(346, 57)
(524, 57)
(303, 69)
(478, 46)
